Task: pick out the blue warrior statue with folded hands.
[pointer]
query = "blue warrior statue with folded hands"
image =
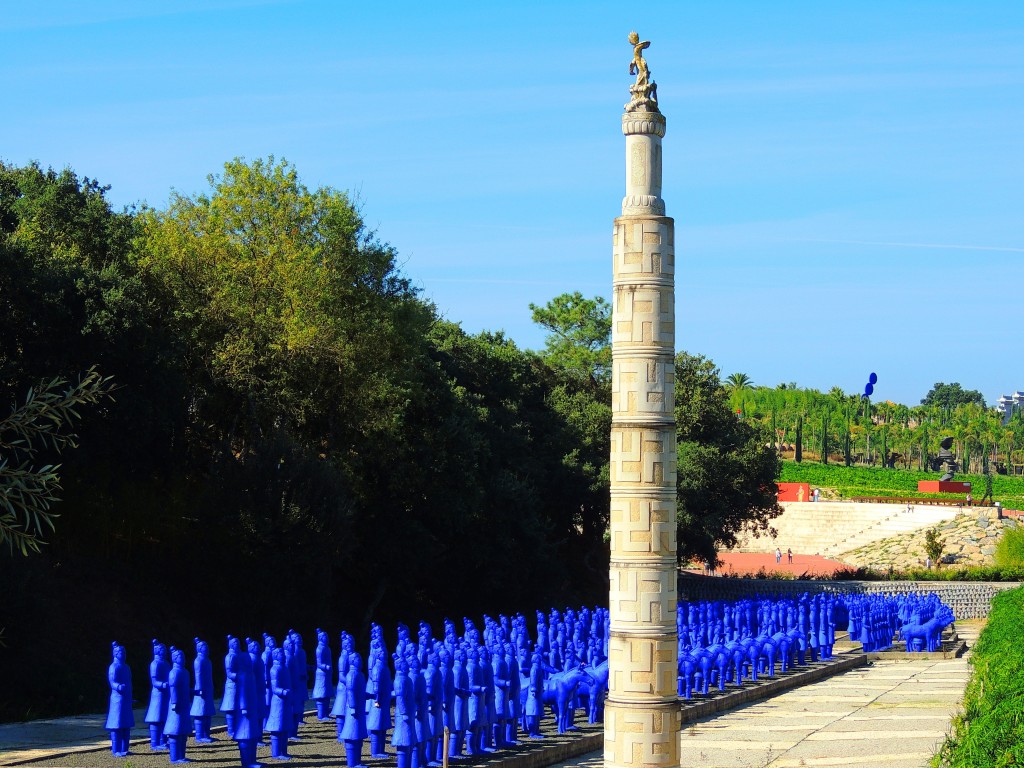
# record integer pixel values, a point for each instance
(120, 718)
(159, 695)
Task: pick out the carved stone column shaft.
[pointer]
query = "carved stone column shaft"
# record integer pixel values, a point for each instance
(642, 712)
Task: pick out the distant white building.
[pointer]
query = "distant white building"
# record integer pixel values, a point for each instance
(1009, 403)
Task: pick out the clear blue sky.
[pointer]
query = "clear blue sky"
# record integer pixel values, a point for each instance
(847, 179)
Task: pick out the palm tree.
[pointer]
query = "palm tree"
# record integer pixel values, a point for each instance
(734, 382)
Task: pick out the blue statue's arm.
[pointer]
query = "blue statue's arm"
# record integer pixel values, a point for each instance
(112, 679)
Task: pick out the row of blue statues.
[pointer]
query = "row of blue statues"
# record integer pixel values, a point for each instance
(722, 642)
(482, 686)
(877, 620)
(485, 686)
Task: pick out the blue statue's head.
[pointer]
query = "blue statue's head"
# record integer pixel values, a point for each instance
(117, 650)
(177, 656)
(233, 644)
(159, 650)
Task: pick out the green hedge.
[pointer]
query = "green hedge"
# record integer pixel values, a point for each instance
(990, 731)
(876, 481)
(961, 573)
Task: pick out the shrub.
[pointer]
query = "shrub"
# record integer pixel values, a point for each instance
(1010, 549)
(933, 546)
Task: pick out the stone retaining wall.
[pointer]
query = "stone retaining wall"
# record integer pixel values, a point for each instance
(968, 599)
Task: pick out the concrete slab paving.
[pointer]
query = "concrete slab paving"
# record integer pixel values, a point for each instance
(892, 714)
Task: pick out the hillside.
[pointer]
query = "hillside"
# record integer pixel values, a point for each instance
(839, 482)
(969, 539)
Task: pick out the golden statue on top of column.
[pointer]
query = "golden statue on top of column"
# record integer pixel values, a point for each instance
(644, 90)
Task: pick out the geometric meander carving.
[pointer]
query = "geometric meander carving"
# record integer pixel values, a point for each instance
(643, 456)
(644, 387)
(635, 595)
(645, 737)
(643, 315)
(643, 247)
(643, 526)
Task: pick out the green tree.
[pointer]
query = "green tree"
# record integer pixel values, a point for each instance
(949, 396)
(726, 474)
(579, 331)
(736, 382)
(933, 546)
(309, 366)
(44, 421)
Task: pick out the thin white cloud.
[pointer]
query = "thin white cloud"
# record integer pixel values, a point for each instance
(502, 281)
(934, 246)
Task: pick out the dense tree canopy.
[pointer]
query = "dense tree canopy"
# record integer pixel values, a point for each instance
(297, 438)
(951, 395)
(726, 473)
(579, 332)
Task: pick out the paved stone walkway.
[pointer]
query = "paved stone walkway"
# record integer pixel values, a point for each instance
(892, 714)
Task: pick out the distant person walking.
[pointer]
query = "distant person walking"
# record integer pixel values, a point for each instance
(789, 555)
(778, 555)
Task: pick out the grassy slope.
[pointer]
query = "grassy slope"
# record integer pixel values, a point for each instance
(990, 732)
(874, 481)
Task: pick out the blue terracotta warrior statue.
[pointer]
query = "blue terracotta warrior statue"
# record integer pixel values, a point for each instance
(338, 711)
(156, 715)
(515, 692)
(259, 681)
(354, 732)
(267, 657)
(322, 680)
(477, 704)
(202, 699)
(448, 700)
(435, 709)
(378, 702)
(403, 738)
(279, 718)
(421, 719)
(178, 725)
(533, 709)
(229, 702)
(487, 673)
(460, 705)
(502, 707)
(297, 670)
(249, 715)
(120, 719)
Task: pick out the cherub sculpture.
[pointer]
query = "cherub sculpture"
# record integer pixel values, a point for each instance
(644, 90)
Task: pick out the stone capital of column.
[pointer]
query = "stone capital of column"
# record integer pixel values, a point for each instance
(649, 123)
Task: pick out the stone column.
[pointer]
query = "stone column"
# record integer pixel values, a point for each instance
(642, 713)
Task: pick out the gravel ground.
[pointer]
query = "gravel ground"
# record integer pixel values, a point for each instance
(317, 747)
